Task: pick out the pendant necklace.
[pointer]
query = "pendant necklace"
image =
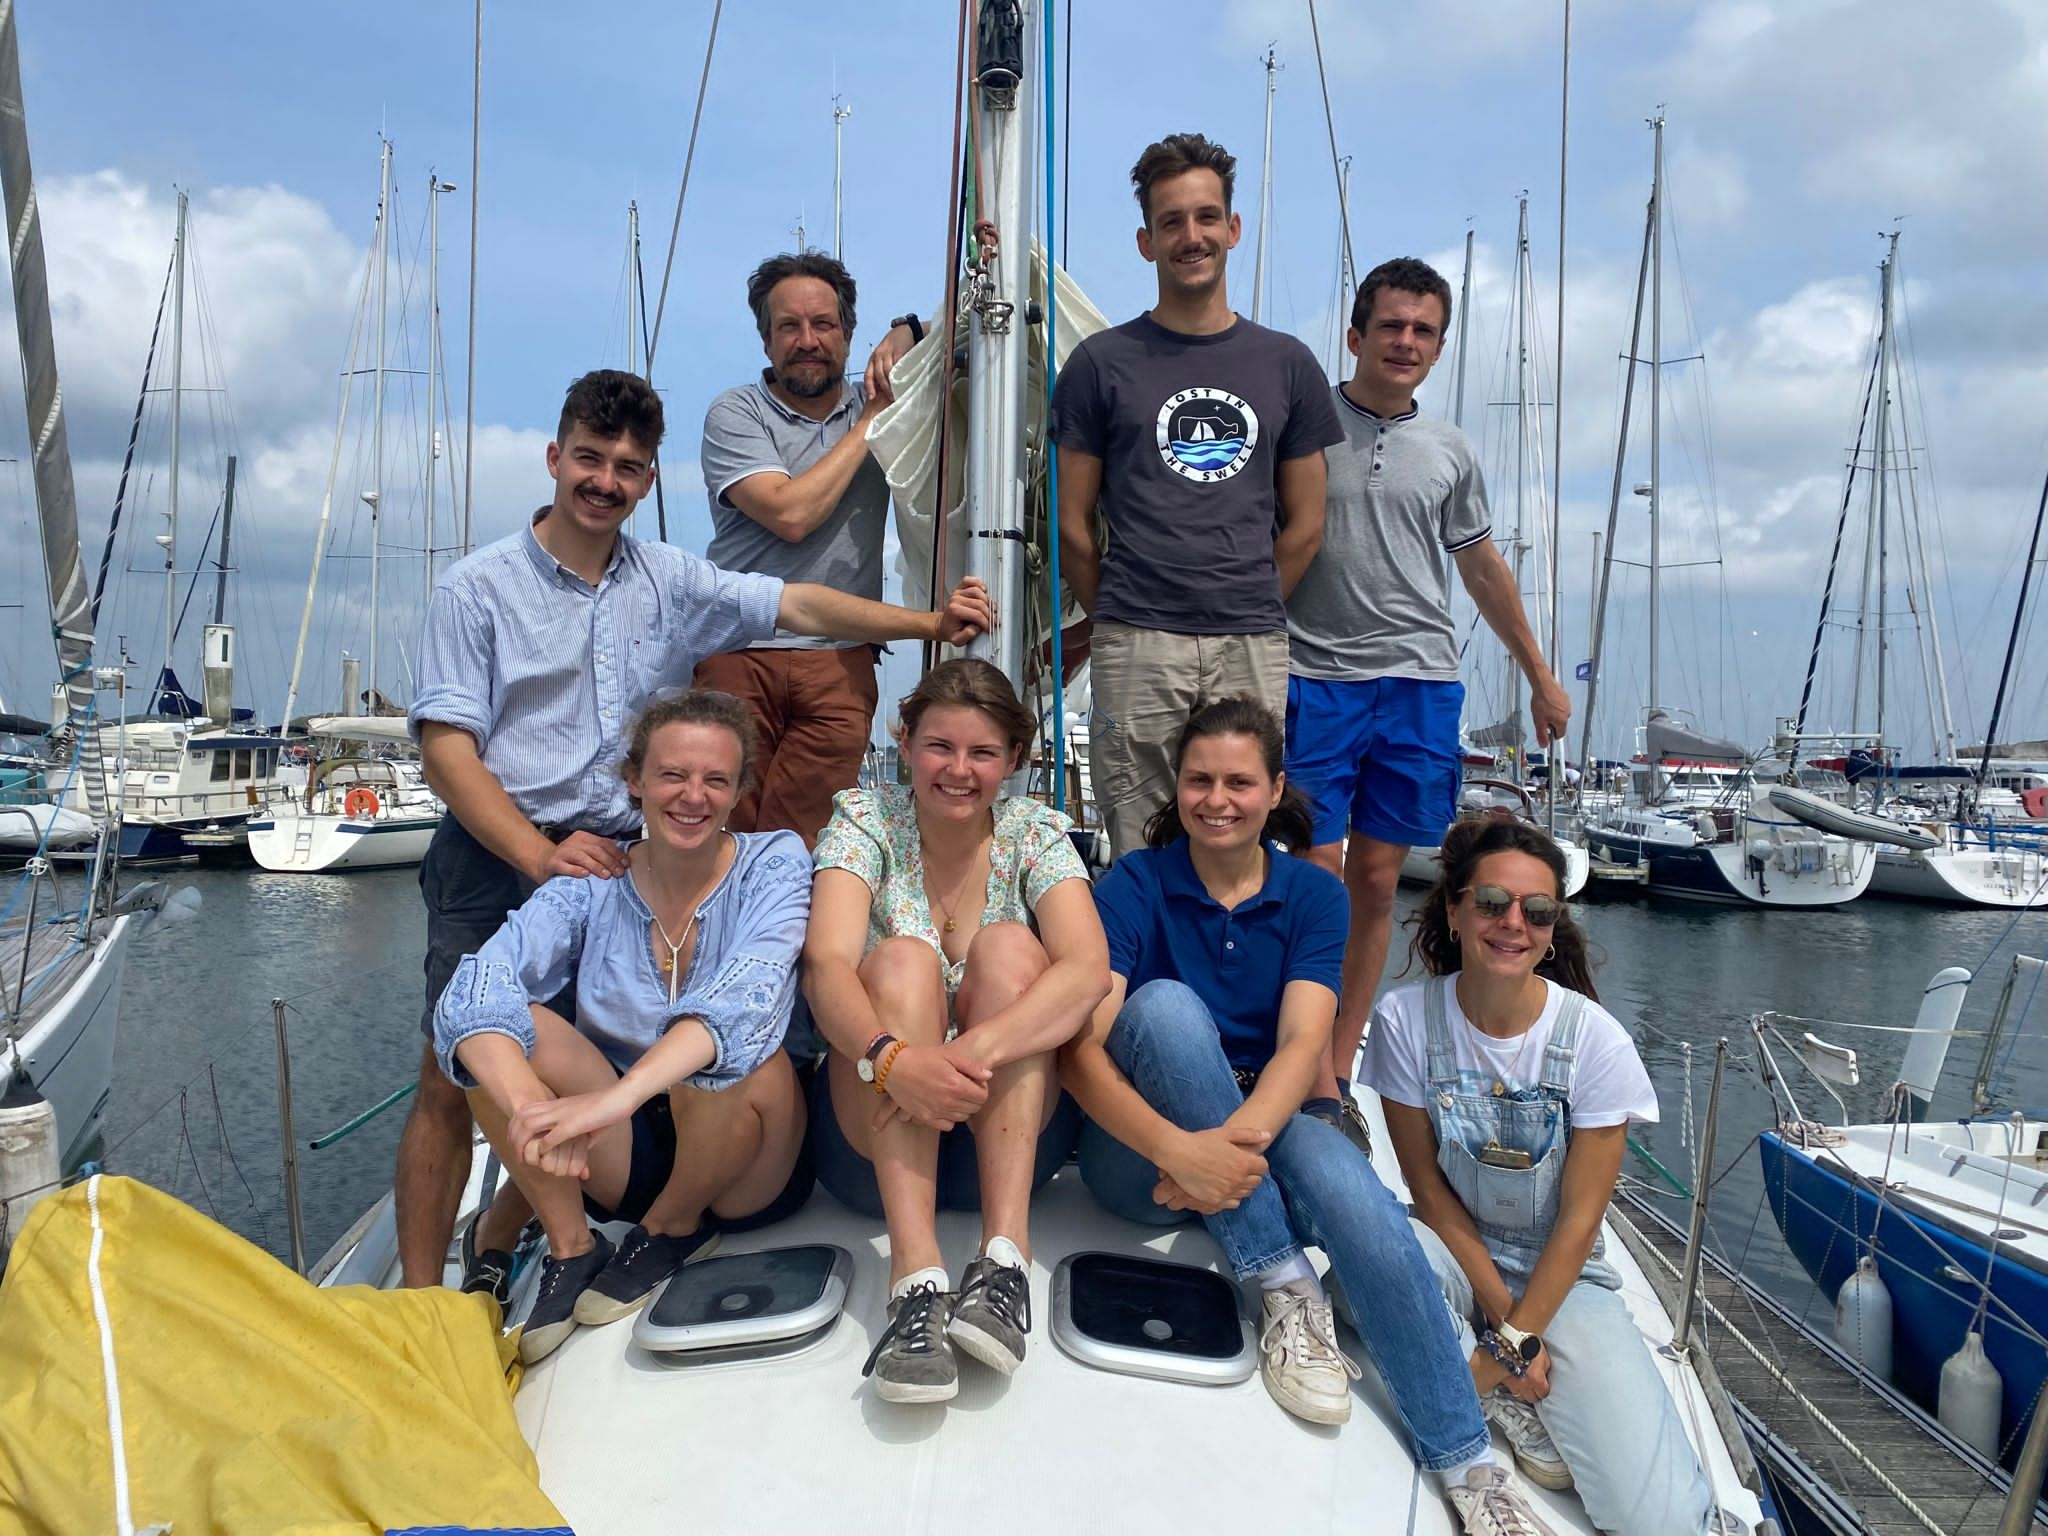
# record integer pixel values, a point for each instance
(945, 906)
(1500, 1087)
(672, 965)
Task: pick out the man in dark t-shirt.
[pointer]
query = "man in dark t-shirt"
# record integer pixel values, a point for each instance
(1199, 437)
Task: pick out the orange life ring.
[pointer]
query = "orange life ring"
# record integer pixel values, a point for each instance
(361, 801)
(2035, 802)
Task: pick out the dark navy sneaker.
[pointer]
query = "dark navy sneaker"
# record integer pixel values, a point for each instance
(488, 1272)
(562, 1281)
(912, 1362)
(644, 1260)
(993, 1313)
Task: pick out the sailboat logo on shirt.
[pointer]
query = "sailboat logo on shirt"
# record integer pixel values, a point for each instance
(1206, 434)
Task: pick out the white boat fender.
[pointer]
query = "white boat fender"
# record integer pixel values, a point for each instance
(1761, 849)
(1972, 1396)
(1863, 1319)
(28, 1154)
(1835, 1063)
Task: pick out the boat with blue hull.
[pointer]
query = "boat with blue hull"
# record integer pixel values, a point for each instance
(1932, 1257)
(1951, 1216)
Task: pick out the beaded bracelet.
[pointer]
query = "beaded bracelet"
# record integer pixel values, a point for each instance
(1499, 1348)
(882, 1066)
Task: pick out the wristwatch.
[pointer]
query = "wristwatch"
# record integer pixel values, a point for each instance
(1527, 1345)
(864, 1069)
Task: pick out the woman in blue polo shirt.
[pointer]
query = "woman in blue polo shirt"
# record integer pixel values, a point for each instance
(1225, 953)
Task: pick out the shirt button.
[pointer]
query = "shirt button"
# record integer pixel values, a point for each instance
(1230, 944)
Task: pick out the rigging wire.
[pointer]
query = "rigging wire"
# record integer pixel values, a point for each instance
(476, 112)
(1330, 122)
(689, 158)
(1052, 458)
(99, 590)
(955, 232)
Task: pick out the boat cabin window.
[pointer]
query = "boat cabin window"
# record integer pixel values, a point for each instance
(267, 763)
(242, 756)
(220, 768)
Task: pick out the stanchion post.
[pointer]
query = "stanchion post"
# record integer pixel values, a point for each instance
(1703, 1178)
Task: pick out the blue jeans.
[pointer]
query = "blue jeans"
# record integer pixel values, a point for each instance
(1320, 1192)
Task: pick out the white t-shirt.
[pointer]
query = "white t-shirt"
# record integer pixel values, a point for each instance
(1609, 1087)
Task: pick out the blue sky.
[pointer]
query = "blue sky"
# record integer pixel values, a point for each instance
(1796, 133)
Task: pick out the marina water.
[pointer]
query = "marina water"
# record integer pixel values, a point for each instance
(194, 1105)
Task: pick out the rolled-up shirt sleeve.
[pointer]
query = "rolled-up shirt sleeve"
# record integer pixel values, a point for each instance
(722, 610)
(528, 961)
(736, 445)
(457, 673)
(744, 1005)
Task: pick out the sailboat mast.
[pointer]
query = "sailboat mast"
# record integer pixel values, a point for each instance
(375, 494)
(998, 337)
(1883, 462)
(1464, 324)
(1514, 712)
(1266, 196)
(170, 537)
(840, 113)
(435, 363)
(1656, 392)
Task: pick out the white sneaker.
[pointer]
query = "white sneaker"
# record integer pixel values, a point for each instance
(1490, 1505)
(1300, 1362)
(1535, 1452)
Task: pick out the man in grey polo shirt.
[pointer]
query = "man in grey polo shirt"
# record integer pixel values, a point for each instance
(795, 493)
(1372, 693)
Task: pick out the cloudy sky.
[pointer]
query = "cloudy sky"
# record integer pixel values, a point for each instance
(1797, 134)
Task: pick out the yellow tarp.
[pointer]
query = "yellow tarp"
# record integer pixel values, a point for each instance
(251, 1401)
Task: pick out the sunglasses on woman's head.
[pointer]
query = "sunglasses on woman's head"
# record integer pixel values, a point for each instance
(1538, 910)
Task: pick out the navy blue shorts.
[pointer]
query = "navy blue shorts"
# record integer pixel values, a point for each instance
(654, 1162)
(850, 1178)
(469, 892)
(1379, 758)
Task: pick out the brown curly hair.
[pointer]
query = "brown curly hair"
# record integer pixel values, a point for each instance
(1470, 839)
(693, 706)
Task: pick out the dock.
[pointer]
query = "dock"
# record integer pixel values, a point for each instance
(1860, 1455)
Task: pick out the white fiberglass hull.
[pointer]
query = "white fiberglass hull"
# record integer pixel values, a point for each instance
(1973, 877)
(321, 843)
(800, 1442)
(1420, 867)
(68, 1046)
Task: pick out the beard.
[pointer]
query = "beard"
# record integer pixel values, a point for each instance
(804, 387)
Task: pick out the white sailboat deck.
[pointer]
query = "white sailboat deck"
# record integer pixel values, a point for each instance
(630, 1442)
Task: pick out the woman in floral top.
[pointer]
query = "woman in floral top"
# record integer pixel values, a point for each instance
(953, 949)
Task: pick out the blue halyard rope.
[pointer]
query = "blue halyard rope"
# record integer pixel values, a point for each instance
(1052, 457)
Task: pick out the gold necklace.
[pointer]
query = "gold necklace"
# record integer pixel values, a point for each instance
(945, 906)
(1500, 1087)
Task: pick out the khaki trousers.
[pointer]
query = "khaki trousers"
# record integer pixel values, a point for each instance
(812, 712)
(1146, 684)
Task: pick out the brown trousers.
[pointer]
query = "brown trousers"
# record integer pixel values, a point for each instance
(813, 710)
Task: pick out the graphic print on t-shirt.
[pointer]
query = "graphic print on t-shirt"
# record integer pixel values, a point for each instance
(1206, 434)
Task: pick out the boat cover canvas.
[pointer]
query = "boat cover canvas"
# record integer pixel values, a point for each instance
(1663, 738)
(161, 1374)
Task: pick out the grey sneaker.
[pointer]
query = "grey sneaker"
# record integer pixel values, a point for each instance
(1536, 1454)
(912, 1362)
(645, 1259)
(1489, 1504)
(562, 1281)
(993, 1313)
(1353, 1124)
(1299, 1360)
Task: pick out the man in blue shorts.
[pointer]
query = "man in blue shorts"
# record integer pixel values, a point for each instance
(1372, 691)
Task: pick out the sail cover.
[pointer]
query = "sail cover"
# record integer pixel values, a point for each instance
(905, 440)
(1665, 739)
(50, 449)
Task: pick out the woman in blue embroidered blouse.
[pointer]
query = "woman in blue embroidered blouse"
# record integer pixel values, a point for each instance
(953, 949)
(669, 1103)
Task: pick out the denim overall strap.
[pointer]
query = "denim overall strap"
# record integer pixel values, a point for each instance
(1443, 1052)
(1561, 1055)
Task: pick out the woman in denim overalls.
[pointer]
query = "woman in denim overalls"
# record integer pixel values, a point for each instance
(1509, 1196)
